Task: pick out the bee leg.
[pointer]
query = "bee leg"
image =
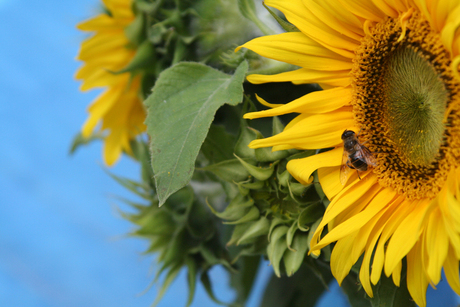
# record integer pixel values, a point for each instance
(350, 165)
(357, 172)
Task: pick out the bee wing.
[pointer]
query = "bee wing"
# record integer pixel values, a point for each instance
(368, 157)
(344, 169)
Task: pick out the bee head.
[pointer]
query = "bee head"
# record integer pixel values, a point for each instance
(347, 133)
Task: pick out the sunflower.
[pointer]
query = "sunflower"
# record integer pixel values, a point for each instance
(119, 109)
(389, 71)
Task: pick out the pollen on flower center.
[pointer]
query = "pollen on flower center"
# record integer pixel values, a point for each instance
(406, 100)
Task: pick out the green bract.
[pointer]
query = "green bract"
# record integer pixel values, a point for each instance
(271, 211)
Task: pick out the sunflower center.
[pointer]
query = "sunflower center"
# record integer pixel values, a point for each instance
(407, 101)
(415, 101)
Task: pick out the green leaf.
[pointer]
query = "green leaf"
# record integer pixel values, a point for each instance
(354, 291)
(218, 145)
(302, 289)
(386, 294)
(180, 111)
(248, 10)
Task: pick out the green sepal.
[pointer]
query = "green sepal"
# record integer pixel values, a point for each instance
(229, 170)
(79, 140)
(135, 30)
(246, 136)
(277, 126)
(255, 229)
(257, 185)
(243, 280)
(274, 223)
(144, 59)
(266, 154)
(284, 178)
(248, 10)
(237, 208)
(238, 232)
(191, 279)
(297, 189)
(290, 235)
(140, 151)
(309, 215)
(199, 223)
(258, 172)
(170, 276)
(311, 232)
(288, 27)
(212, 259)
(251, 215)
(293, 258)
(277, 247)
(208, 287)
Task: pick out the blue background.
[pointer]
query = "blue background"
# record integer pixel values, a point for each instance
(62, 241)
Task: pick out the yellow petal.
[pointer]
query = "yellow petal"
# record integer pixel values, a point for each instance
(113, 147)
(295, 12)
(101, 44)
(448, 33)
(355, 223)
(364, 9)
(335, 8)
(303, 76)
(437, 244)
(406, 235)
(98, 109)
(297, 49)
(396, 275)
(320, 16)
(417, 281)
(98, 23)
(398, 213)
(451, 270)
(346, 198)
(329, 177)
(316, 102)
(386, 8)
(316, 131)
(340, 266)
(302, 169)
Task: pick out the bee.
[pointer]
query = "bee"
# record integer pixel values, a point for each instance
(355, 156)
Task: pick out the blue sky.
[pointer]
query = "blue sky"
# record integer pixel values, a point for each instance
(62, 240)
